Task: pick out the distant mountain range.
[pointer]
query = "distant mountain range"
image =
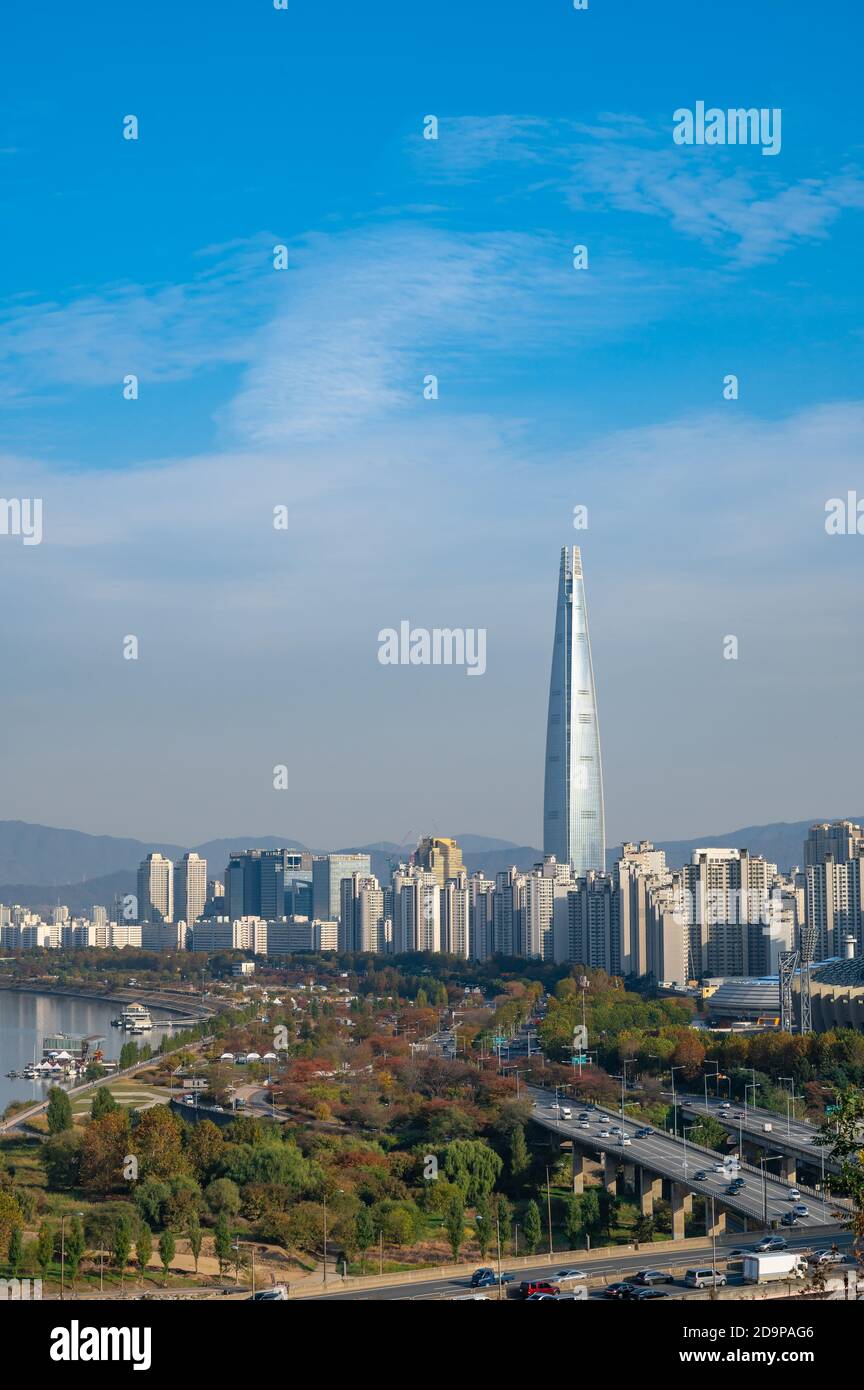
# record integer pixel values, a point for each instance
(41, 865)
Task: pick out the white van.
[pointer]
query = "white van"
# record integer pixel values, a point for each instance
(566, 1112)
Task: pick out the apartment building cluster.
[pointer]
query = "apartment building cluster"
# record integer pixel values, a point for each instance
(726, 913)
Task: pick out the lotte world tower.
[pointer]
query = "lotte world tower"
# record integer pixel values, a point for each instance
(573, 821)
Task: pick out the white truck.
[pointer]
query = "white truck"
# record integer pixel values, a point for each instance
(761, 1269)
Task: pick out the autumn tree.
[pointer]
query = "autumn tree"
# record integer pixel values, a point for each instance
(104, 1150)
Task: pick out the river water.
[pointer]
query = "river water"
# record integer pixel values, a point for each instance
(26, 1019)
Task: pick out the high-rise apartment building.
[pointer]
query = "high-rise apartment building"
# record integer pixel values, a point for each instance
(573, 814)
(416, 910)
(834, 871)
(364, 925)
(190, 888)
(155, 889)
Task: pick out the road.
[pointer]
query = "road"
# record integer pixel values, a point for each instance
(664, 1155)
(792, 1136)
(601, 1269)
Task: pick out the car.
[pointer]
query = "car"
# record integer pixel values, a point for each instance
(732, 1190)
(801, 1209)
(701, 1175)
(532, 1286)
(614, 1129)
(704, 1279)
(725, 1105)
(739, 1252)
(605, 1133)
(644, 1132)
(738, 1115)
(625, 1139)
(482, 1278)
(827, 1257)
(567, 1276)
(720, 1168)
(793, 1194)
(642, 1295)
(583, 1124)
(652, 1276)
(789, 1218)
(771, 1243)
(539, 1297)
(623, 1290)
(583, 1115)
(278, 1294)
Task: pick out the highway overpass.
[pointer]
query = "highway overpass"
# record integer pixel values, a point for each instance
(661, 1156)
(791, 1138)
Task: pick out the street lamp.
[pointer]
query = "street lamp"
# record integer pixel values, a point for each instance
(672, 1071)
(766, 1159)
(791, 1080)
(716, 1066)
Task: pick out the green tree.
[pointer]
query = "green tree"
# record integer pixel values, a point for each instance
(573, 1222)
(840, 1134)
(45, 1248)
(167, 1251)
(519, 1156)
(484, 1228)
(74, 1249)
(59, 1112)
(222, 1242)
(16, 1252)
(196, 1237)
(143, 1249)
(532, 1228)
(454, 1224)
(364, 1232)
(503, 1211)
(121, 1245)
(102, 1103)
(644, 1231)
(474, 1167)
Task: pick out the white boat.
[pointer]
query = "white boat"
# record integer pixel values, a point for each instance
(136, 1017)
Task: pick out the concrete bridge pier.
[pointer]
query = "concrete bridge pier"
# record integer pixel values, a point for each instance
(789, 1169)
(649, 1189)
(718, 1226)
(678, 1202)
(578, 1171)
(610, 1173)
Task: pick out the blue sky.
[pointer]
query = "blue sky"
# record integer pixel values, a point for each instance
(304, 387)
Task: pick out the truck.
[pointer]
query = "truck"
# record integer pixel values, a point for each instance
(761, 1269)
(767, 1127)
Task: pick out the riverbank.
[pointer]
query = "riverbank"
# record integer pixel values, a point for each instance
(181, 1008)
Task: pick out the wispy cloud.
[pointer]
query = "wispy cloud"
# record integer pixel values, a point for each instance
(720, 197)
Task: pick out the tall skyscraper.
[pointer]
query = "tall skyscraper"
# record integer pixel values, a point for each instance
(573, 816)
(328, 871)
(190, 888)
(155, 889)
(440, 857)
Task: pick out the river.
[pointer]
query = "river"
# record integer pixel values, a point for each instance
(25, 1019)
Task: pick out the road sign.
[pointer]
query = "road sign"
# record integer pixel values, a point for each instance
(580, 1057)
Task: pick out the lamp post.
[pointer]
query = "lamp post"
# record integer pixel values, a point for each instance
(672, 1071)
(791, 1080)
(716, 1066)
(549, 1209)
(766, 1159)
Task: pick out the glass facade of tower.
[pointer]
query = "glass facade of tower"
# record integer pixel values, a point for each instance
(573, 818)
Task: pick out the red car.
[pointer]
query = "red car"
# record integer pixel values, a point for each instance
(529, 1286)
